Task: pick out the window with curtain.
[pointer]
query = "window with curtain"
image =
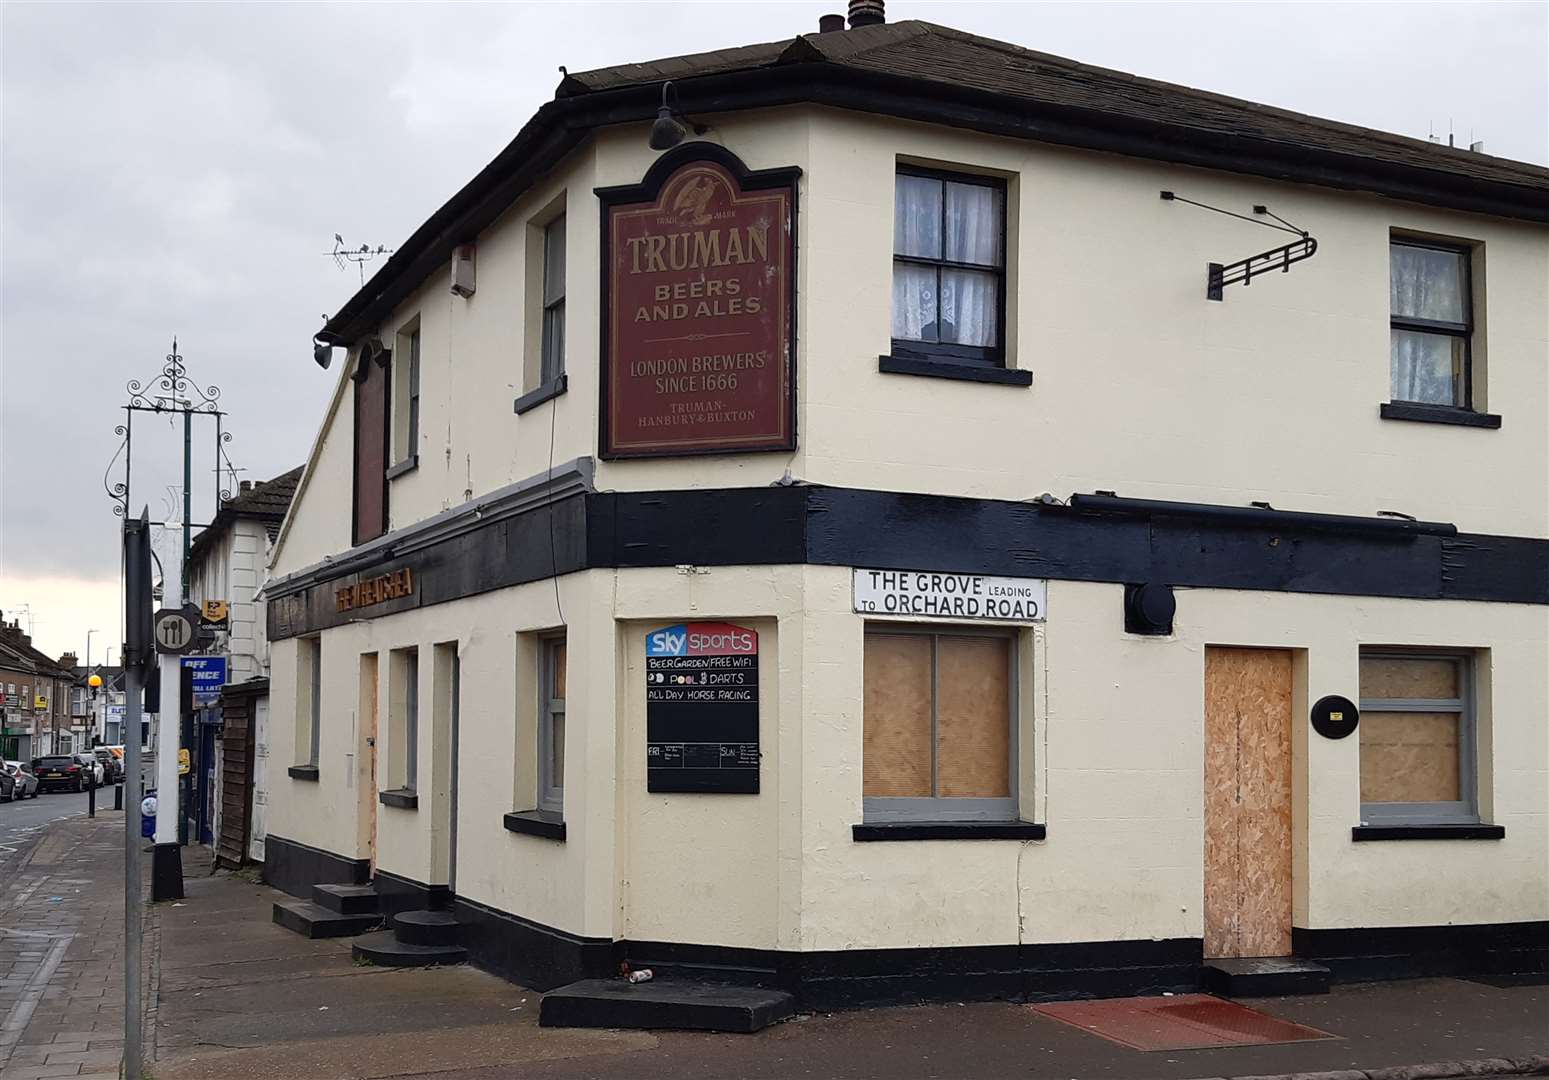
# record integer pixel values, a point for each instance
(1432, 324)
(1417, 738)
(949, 276)
(553, 347)
(938, 729)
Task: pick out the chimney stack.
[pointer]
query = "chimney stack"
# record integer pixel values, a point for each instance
(867, 13)
(827, 24)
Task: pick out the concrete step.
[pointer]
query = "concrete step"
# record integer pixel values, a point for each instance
(664, 1003)
(347, 899)
(1264, 976)
(425, 927)
(315, 921)
(385, 950)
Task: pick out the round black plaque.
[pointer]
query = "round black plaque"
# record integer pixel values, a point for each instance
(1334, 717)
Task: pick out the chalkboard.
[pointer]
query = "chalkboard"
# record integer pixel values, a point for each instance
(701, 708)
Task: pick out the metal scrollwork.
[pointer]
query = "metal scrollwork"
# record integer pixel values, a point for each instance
(117, 491)
(179, 392)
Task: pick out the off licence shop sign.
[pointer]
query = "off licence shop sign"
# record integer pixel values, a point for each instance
(697, 317)
(935, 595)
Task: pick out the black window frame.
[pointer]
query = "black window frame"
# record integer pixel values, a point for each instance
(1463, 330)
(975, 356)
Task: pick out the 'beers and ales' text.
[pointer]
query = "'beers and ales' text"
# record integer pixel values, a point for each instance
(699, 316)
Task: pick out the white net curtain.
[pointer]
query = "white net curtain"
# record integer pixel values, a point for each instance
(952, 228)
(1429, 284)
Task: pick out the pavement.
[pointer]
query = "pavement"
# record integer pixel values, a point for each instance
(233, 995)
(61, 937)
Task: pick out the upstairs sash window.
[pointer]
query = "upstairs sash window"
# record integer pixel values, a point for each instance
(1432, 324)
(949, 276)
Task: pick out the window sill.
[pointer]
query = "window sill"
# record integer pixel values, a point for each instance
(1438, 414)
(542, 823)
(303, 772)
(1428, 832)
(403, 798)
(407, 465)
(945, 369)
(548, 391)
(948, 830)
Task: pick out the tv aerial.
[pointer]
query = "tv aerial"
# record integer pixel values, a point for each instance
(343, 255)
(1243, 271)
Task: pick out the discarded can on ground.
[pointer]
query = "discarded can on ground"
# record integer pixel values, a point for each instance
(640, 976)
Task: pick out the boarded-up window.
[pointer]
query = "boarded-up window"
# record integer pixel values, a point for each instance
(371, 445)
(938, 726)
(1417, 737)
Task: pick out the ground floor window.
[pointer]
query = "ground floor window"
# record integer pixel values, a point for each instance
(939, 725)
(1417, 737)
(551, 728)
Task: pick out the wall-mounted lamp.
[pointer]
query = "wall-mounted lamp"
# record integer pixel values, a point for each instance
(667, 132)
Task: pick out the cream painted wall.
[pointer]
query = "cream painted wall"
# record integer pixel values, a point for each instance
(1139, 384)
(1111, 755)
(1118, 759)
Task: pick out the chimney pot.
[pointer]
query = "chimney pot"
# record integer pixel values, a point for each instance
(245, 485)
(827, 24)
(867, 13)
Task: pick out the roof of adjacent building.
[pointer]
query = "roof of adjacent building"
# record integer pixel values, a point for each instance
(266, 501)
(922, 71)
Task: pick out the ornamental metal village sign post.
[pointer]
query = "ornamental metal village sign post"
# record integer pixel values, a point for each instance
(170, 393)
(698, 323)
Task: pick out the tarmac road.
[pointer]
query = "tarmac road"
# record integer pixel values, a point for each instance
(20, 820)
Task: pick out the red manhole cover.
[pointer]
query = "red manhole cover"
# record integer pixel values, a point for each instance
(1183, 1022)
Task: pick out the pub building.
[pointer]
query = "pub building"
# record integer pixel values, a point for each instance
(927, 552)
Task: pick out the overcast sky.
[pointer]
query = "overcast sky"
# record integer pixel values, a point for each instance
(182, 169)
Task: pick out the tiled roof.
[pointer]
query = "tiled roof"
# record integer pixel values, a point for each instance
(921, 71)
(954, 59)
(265, 501)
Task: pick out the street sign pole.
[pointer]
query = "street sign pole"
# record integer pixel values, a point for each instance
(137, 652)
(167, 857)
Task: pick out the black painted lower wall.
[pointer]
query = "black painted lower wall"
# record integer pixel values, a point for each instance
(295, 868)
(1407, 952)
(396, 893)
(542, 957)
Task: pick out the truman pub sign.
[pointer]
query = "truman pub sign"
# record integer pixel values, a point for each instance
(698, 318)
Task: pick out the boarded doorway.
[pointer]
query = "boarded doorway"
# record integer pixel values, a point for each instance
(368, 733)
(1247, 802)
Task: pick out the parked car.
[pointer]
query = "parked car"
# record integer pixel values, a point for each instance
(92, 768)
(7, 786)
(25, 785)
(61, 772)
(112, 767)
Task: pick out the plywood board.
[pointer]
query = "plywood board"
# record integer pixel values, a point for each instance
(1409, 757)
(973, 717)
(1247, 802)
(897, 755)
(1409, 677)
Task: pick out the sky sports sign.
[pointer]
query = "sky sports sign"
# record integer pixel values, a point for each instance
(930, 594)
(702, 639)
(701, 709)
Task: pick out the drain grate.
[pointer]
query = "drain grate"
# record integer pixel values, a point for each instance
(1184, 1022)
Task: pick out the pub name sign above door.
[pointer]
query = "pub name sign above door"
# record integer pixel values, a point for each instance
(698, 318)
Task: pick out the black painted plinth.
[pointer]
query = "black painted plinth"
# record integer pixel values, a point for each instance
(677, 1005)
(385, 950)
(1270, 976)
(166, 872)
(316, 921)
